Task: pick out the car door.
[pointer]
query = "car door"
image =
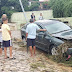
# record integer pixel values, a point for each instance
(43, 40)
(47, 42)
(40, 39)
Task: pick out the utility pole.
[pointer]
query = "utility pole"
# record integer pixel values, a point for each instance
(23, 10)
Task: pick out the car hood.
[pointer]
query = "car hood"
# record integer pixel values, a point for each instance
(65, 34)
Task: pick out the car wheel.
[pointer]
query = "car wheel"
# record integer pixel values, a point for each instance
(23, 37)
(24, 40)
(53, 50)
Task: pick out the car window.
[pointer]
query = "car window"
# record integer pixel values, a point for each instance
(40, 28)
(56, 27)
(24, 27)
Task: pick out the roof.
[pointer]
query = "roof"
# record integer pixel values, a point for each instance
(43, 0)
(38, 1)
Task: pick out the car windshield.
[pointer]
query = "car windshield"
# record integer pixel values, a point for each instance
(56, 27)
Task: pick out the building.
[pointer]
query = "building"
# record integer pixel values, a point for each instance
(40, 1)
(31, 1)
(43, 0)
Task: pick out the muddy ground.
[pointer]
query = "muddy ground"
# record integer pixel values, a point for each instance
(42, 56)
(24, 63)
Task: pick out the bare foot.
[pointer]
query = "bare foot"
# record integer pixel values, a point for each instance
(5, 58)
(34, 54)
(10, 57)
(0, 54)
(31, 56)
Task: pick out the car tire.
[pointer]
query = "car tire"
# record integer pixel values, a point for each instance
(23, 37)
(53, 50)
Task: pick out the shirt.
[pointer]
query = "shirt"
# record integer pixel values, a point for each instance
(5, 34)
(0, 35)
(32, 17)
(41, 18)
(31, 30)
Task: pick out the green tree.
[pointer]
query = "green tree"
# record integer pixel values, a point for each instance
(61, 8)
(68, 9)
(10, 6)
(57, 6)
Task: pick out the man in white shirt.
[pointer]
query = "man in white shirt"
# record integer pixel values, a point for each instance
(31, 35)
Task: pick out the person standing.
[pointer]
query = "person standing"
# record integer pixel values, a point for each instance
(33, 16)
(1, 47)
(41, 16)
(0, 41)
(31, 35)
(6, 37)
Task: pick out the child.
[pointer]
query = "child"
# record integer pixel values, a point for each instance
(0, 41)
(6, 36)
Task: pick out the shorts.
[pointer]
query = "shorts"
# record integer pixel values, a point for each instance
(7, 43)
(30, 42)
(0, 44)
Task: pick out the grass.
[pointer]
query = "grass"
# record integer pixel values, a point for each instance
(62, 61)
(38, 64)
(47, 71)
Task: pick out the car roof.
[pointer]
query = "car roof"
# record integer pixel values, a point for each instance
(46, 21)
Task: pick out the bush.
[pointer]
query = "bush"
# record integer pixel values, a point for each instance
(61, 8)
(7, 11)
(6, 6)
(68, 9)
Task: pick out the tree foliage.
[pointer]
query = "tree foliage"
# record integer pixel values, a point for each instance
(61, 8)
(68, 9)
(10, 6)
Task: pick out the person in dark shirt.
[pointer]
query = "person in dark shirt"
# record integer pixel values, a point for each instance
(33, 16)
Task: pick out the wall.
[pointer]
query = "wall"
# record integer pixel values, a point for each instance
(69, 19)
(18, 17)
